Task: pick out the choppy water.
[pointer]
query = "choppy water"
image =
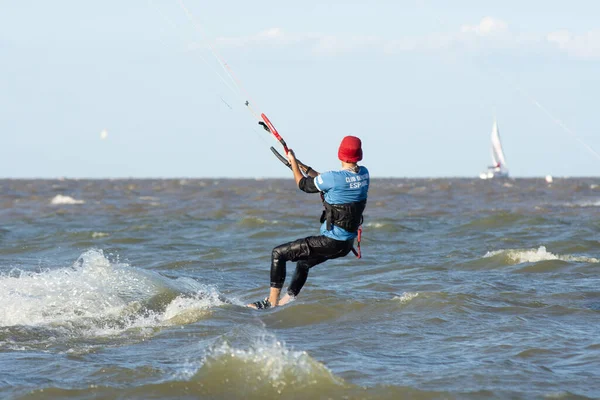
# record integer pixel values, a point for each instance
(133, 289)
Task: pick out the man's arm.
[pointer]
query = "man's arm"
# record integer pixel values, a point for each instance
(295, 168)
(306, 184)
(308, 171)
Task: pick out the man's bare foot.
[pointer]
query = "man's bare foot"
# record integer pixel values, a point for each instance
(285, 299)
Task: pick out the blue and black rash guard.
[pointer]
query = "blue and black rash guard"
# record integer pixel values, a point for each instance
(339, 187)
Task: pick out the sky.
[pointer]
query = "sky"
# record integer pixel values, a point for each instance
(136, 89)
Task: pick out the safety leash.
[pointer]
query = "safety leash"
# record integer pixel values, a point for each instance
(356, 251)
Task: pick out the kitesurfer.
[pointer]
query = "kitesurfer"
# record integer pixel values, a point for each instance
(344, 194)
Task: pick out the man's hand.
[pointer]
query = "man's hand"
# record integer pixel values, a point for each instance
(291, 156)
(294, 164)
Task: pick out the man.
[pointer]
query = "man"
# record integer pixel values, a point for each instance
(344, 195)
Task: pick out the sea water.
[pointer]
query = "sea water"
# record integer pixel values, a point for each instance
(135, 289)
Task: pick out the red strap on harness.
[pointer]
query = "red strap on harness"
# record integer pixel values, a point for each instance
(355, 251)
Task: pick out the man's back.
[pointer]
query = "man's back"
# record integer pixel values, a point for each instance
(344, 187)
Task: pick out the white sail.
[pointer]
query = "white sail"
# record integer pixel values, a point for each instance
(498, 168)
(497, 153)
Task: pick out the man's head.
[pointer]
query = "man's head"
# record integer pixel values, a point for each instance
(350, 150)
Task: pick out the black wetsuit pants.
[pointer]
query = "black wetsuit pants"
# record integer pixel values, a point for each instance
(307, 252)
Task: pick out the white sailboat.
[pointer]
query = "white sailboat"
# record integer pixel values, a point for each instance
(498, 168)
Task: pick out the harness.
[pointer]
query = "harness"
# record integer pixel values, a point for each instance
(346, 216)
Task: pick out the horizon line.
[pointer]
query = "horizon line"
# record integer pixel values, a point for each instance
(61, 178)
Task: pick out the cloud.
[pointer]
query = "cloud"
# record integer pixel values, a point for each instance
(489, 33)
(269, 37)
(586, 45)
(486, 27)
(466, 36)
(329, 44)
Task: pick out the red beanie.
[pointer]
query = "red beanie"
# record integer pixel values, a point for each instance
(350, 149)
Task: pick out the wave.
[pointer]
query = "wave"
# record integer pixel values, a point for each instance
(59, 199)
(518, 256)
(96, 235)
(390, 226)
(223, 389)
(95, 297)
(253, 222)
(265, 366)
(405, 297)
(584, 203)
(248, 363)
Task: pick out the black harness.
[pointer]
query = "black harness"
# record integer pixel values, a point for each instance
(347, 216)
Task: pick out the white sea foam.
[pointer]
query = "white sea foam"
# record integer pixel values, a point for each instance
(406, 297)
(187, 309)
(148, 198)
(537, 255)
(375, 224)
(585, 203)
(97, 297)
(595, 203)
(99, 234)
(59, 199)
(258, 220)
(272, 363)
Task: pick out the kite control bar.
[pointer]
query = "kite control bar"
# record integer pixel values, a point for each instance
(268, 126)
(265, 123)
